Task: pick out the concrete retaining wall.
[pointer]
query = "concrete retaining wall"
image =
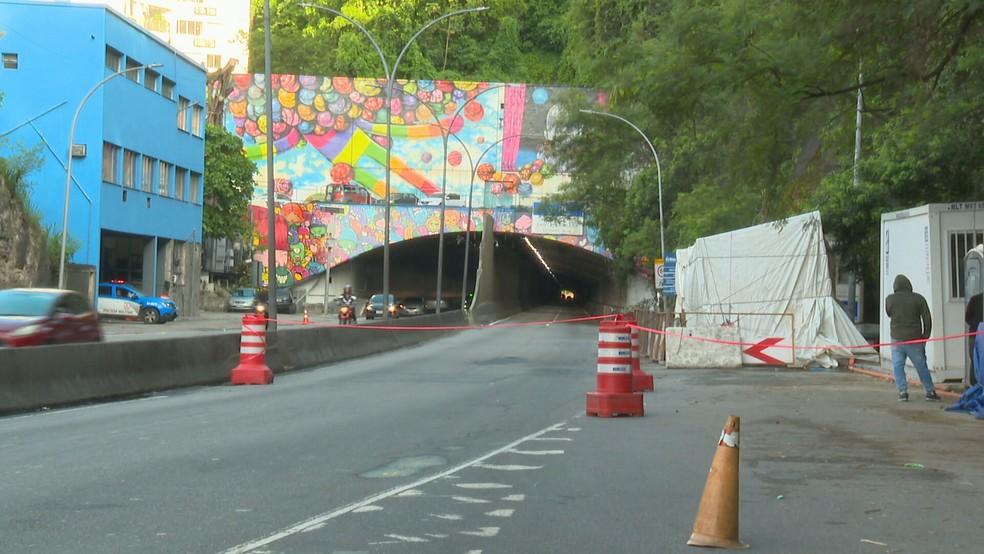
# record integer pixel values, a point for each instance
(32, 378)
(682, 352)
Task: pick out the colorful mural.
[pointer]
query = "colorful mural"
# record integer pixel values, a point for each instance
(330, 148)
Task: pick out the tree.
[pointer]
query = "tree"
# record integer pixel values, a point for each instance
(228, 185)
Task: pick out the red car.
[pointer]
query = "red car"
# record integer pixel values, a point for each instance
(37, 317)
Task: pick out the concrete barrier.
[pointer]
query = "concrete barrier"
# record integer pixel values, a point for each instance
(32, 378)
(686, 353)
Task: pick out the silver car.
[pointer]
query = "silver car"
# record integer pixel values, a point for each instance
(242, 300)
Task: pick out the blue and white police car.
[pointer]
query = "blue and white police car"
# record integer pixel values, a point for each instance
(119, 300)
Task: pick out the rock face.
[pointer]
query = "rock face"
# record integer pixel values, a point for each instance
(23, 245)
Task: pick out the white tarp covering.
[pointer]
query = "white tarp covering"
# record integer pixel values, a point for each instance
(771, 280)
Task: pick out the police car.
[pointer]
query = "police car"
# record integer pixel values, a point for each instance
(119, 300)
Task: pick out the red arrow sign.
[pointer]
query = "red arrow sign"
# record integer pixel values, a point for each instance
(757, 350)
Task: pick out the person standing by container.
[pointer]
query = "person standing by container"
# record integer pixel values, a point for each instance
(911, 321)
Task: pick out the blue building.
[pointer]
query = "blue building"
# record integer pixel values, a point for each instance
(135, 210)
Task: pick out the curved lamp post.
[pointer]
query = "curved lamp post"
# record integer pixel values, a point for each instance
(659, 172)
(390, 81)
(68, 163)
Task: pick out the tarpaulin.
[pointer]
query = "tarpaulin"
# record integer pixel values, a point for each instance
(972, 400)
(770, 280)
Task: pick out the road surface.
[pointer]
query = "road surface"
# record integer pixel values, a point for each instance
(477, 443)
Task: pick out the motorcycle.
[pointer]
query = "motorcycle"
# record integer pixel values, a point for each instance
(346, 315)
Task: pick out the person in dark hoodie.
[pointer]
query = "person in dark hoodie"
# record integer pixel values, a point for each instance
(911, 320)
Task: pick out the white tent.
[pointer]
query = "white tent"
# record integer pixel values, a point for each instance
(770, 280)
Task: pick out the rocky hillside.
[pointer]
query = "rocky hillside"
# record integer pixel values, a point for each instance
(23, 251)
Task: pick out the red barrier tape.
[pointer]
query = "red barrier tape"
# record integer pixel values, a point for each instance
(442, 327)
(791, 347)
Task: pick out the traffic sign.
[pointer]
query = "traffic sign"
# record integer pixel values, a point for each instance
(669, 275)
(658, 273)
(768, 351)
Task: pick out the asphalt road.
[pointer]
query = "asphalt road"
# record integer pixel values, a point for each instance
(477, 443)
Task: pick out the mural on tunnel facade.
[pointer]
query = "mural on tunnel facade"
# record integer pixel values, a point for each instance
(329, 143)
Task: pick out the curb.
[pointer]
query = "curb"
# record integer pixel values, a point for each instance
(885, 377)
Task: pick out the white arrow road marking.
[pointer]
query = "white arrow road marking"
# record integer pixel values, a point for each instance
(514, 498)
(482, 485)
(535, 452)
(406, 538)
(437, 535)
(321, 518)
(509, 467)
(552, 439)
(483, 532)
(469, 500)
(575, 429)
(451, 517)
(411, 492)
(505, 512)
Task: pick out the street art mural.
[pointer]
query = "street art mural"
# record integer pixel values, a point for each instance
(330, 154)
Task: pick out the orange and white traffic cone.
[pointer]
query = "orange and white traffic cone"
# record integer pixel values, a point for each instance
(614, 395)
(252, 368)
(307, 320)
(717, 517)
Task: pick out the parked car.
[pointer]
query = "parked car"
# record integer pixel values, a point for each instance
(36, 317)
(452, 199)
(242, 300)
(412, 305)
(285, 300)
(375, 306)
(119, 300)
(404, 199)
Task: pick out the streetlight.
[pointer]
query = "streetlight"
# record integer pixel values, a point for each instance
(471, 184)
(68, 164)
(390, 79)
(659, 172)
(329, 242)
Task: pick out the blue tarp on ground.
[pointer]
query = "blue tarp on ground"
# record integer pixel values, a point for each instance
(972, 401)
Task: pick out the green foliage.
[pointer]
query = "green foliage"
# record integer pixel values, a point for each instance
(515, 40)
(14, 171)
(228, 185)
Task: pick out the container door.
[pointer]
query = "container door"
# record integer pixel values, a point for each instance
(973, 289)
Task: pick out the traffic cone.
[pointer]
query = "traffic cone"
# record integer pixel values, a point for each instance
(307, 319)
(641, 381)
(717, 517)
(614, 395)
(252, 368)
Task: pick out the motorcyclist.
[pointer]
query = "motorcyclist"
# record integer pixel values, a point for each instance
(348, 299)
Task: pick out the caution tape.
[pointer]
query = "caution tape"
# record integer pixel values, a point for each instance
(806, 347)
(497, 325)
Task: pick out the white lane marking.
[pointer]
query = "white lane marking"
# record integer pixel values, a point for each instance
(494, 323)
(514, 498)
(482, 485)
(369, 508)
(535, 452)
(48, 412)
(437, 535)
(378, 543)
(411, 492)
(508, 467)
(575, 429)
(567, 439)
(483, 532)
(407, 538)
(314, 528)
(474, 552)
(449, 517)
(300, 526)
(469, 500)
(504, 512)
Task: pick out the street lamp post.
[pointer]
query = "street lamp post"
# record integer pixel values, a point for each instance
(659, 172)
(390, 81)
(68, 163)
(271, 193)
(329, 242)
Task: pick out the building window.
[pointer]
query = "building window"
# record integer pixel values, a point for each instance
(129, 168)
(186, 27)
(179, 182)
(204, 43)
(196, 120)
(961, 242)
(132, 73)
(110, 163)
(167, 88)
(182, 113)
(147, 174)
(9, 60)
(204, 10)
(163, 178)
(196, 187)
(213, 61)
(150, 79)
(113, 59)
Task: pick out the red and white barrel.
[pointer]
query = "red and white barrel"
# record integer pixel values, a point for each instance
(614, 358)
(252, 368)
(641, 381)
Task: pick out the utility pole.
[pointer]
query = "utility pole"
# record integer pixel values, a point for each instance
(852, 296)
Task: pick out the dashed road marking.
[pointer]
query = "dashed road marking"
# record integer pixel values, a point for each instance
(535, 452)
(450, 517)
(321, 518)
(508, 467)
(483, 532)
(514, 498)
(469, 500)
(566, 439)
(504, 512)
(482, 485)
(407, 538)
(411, 492)
(575, 429)
(369, 508)
(437, 535)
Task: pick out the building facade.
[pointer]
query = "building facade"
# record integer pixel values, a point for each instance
(211, 32)
(135, 201)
